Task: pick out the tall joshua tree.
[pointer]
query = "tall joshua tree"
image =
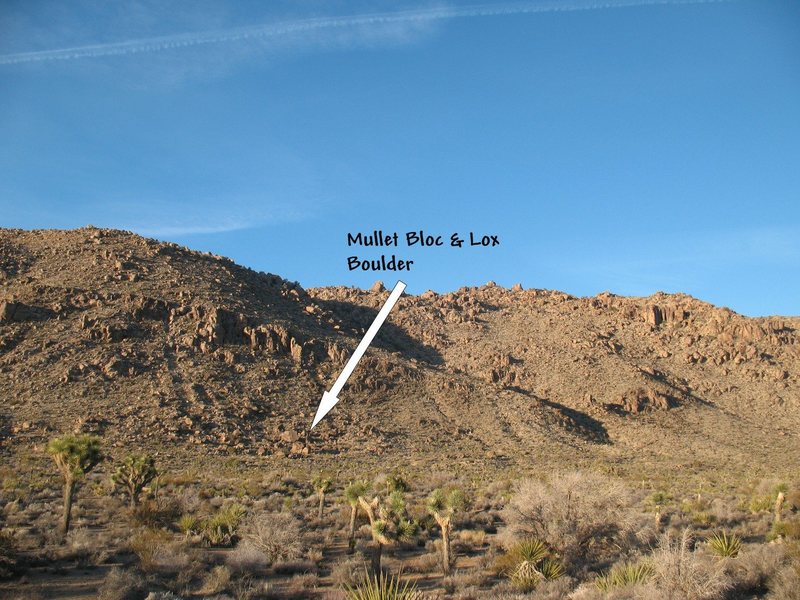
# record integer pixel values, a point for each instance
(322, 484)
(75, 456)
(135, 472)
(352, 493)
(443, 505)
(389, 524)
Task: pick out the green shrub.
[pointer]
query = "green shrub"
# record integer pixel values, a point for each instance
(382, 587)
(723, 545)
(766, 502)
(784, 529)
(623, 575)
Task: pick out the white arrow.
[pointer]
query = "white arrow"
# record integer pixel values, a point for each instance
(329, 399)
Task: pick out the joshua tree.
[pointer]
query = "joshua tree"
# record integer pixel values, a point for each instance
(323, 485)
(74, 455)
(443, 505)
(135, 472)
(352, 493)
(389, 524)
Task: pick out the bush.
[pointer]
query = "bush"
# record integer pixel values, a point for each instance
(8, 554)
(276, 535)
(766, 501)
(246, 558)
(154, 515)
(122, 585)
(146, 545)
(680, 573)
(785, 529)
(578, 515)
(217, 580)
(350, 571)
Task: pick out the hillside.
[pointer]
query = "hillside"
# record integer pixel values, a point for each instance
(157, 346)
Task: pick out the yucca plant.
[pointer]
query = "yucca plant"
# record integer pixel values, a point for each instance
(188, 524)
(623, 575)
(529, 562)
(221, 527)
(382, 587)
(723, 545)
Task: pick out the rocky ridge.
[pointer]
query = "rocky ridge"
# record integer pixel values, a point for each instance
(153, 344)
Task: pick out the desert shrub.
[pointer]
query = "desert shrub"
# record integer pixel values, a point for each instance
(724, 545)
(349, 571)
(383, 587)
(246, 558)
(679, 573)
(462, 581)
(764, 499)
(8, 554)
(472, 537)
(146, 544)
(217, 580)
(154, 515)
(122, 585)
(624, 575)
(220, 528)
(424, 563)
(578, 515)
(301, 582)
(294, 567)
(755, 566)
(786, 582)
(396, 483)
(85, 549)
(789, 529)
(276, 535)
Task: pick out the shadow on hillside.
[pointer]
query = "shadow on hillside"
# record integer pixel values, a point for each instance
(577, 422)
(583, 425)
(356, 320)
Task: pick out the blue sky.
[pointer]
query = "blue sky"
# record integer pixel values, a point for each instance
(631, 146)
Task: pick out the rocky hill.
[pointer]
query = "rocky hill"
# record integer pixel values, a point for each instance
(157, 346)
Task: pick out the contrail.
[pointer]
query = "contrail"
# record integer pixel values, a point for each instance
(286, 28)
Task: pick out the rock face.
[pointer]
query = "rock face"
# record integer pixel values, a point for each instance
(166, 346)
